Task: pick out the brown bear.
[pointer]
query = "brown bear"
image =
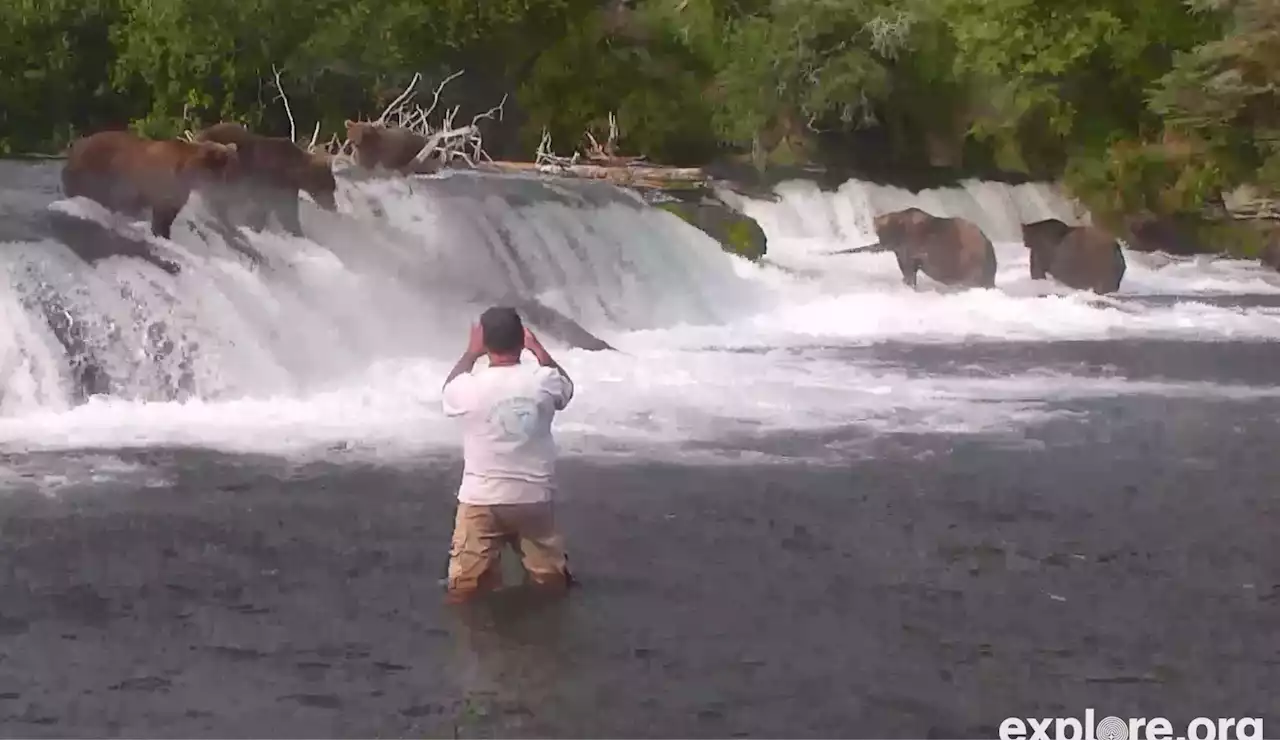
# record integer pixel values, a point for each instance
(129, 174)
(392, 147)
(952, 251)
(1079, 257)
(274, 170)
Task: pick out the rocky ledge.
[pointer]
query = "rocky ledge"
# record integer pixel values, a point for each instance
(736, 232)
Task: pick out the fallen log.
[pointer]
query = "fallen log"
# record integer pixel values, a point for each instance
(631, 175)
(601, 160)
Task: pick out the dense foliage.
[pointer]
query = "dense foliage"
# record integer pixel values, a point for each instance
(1140, 105)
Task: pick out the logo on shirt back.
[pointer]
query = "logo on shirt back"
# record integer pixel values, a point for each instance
(514, 419)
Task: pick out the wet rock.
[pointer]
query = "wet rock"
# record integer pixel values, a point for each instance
(1164, 234)
(545, 319)
(737, 232)
(1270, 255)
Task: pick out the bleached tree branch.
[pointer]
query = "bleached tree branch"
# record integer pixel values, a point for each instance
(401, 98)
(412, 117)
(283, 98)
(446, 141)
(187, 133)
(607, 154)
(545, 156)
(475, 140)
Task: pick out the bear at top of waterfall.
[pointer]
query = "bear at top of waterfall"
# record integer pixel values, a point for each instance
(275, 170)
(1080, 257)
(392, 147)
(952, 251)
(129, 174)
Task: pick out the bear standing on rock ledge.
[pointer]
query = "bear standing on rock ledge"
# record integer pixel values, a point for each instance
(274, 170)
(391, 147)
(128, 174)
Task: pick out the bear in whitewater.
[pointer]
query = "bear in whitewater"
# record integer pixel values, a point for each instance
(274, 171)
(952, 251)
(1079, 257)
(391, 147)
(128, 174)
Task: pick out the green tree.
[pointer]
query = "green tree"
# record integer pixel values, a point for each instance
(53, 80)
(1222, 96)
(654, 88)
(787, 70)
(1057, 81)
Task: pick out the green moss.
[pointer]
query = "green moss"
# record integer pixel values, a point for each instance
(742, 239)
(737, 233)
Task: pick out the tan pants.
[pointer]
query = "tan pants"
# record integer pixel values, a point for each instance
(479, 533)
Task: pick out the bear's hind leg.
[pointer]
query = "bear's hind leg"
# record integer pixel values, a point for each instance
(109, 192)
(162, 218)
(287, 208)
(908, 264)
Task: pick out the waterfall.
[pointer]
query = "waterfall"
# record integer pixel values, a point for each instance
(398, 272)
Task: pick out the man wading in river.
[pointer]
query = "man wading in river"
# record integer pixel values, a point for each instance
(508, 477)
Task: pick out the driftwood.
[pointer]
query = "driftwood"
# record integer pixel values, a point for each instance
(546, 156)
(604, 155)
(445, 141)
(283, 97)
(602, 162)
(1257, 209)
(607, 155)
(656, 177)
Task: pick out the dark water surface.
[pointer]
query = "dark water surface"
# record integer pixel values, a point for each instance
(1171, 361)
(1130, 565)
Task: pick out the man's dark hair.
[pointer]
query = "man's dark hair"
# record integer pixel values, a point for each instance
(503, 330)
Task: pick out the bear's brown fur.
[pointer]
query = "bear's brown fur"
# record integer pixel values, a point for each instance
(129, 174)
(952, 251)
(274, 170)
(1080, 257)
(392, 147)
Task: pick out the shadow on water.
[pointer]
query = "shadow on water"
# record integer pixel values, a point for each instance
(89, 240)
(1250, 363)
(1231, 300)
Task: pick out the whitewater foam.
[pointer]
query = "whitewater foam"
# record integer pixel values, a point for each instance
(638, 402)
(806, 226)
(342, 342)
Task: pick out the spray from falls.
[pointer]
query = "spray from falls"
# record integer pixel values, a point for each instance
(342, 338)
(807, 227)
(399, 273)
